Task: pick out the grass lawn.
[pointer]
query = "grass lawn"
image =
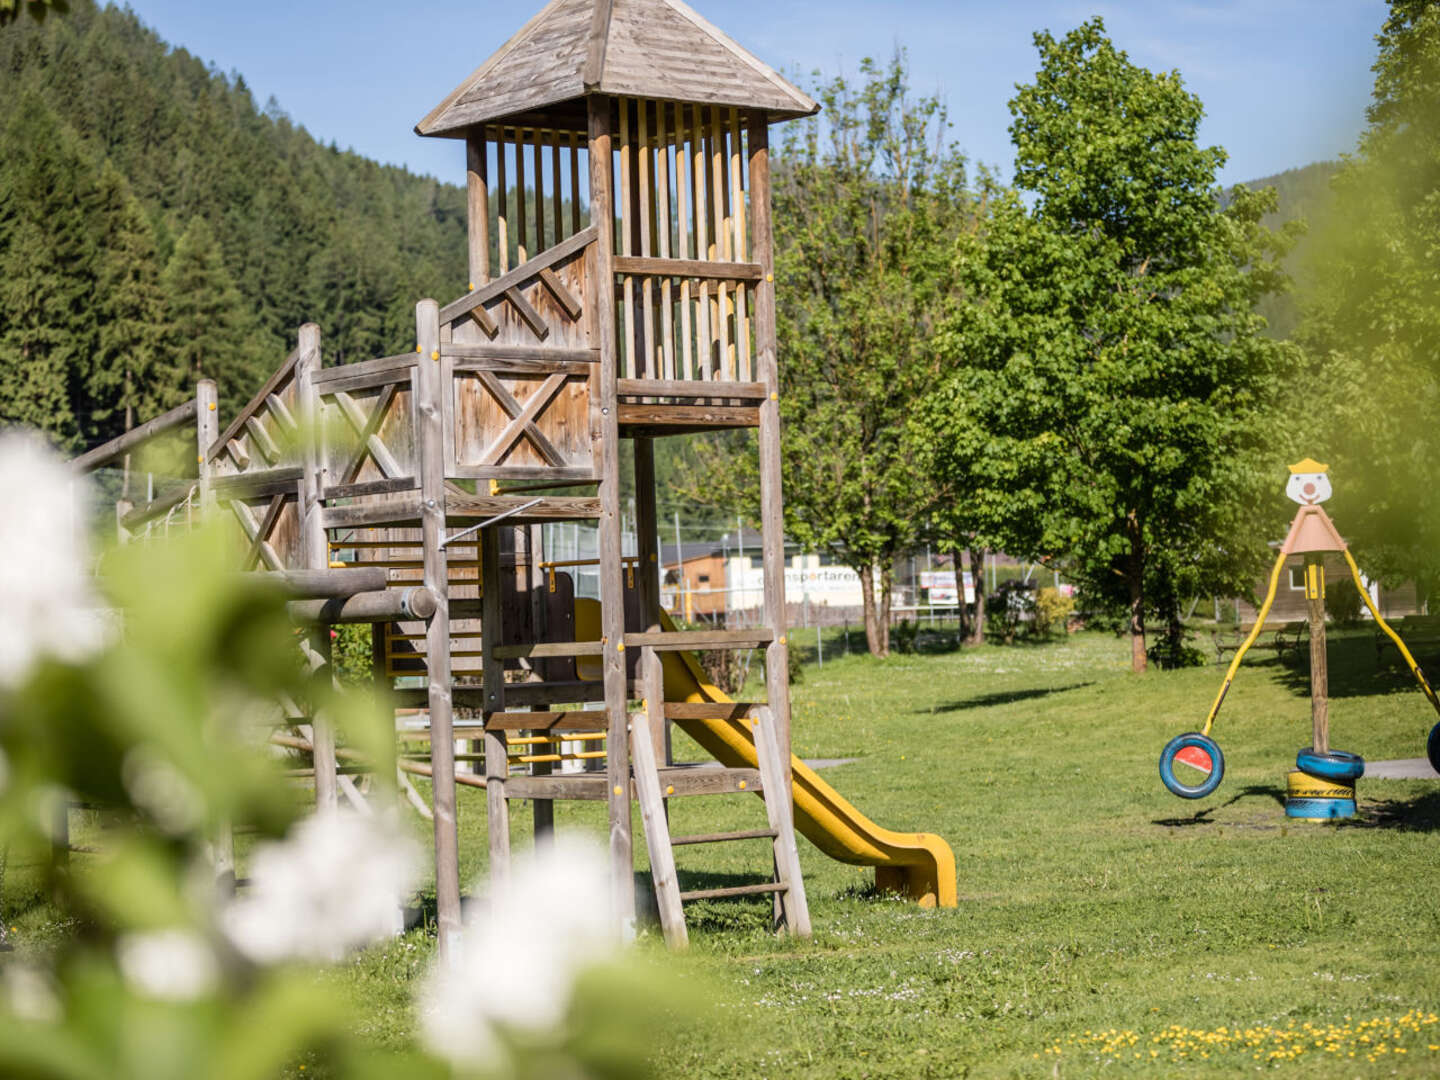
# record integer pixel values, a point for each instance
(1103, 924)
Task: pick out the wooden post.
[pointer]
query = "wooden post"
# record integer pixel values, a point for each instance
(1319, 665)
(428, 393)
(612, 596)
(315, 552)
(648, 587)
(477, 188)
(542, 810)
(772, 517)
(207, 430)
(497, 760)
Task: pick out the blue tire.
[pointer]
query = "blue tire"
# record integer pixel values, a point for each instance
(1334, 765)
(1432, 748)
(1320, 809)
(1167, 765)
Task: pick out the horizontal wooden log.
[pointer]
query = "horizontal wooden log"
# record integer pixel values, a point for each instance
(565, 476)
(690, 269)
(552, 508)
(530, 694)
(595, 787)
(349, 382)
(678, 419)
(123, 444)
(385, 605)
(723, 837)
(525, 365)
(258, 483)
(151, 510)
(310, 584)
(673, 641)
(732, 891)
(398, 366)
(522, 273)
(371, 487)
(541, 649)
(707, 710)
(690, 388)
(400, 512)
(464, 355)
(572, 720)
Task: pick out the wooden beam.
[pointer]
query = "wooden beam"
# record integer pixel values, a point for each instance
(262, 531)
(595, 44)
(498, 286)
(563, 296)
(429, 413)
(271, 385)
(612, 599)
(688, 269)
(527, 313)
(123, 444)
(689, 388)
(368, 428)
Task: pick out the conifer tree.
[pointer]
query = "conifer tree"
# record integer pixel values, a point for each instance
(125, 381)
(47, 271)
(208, 325)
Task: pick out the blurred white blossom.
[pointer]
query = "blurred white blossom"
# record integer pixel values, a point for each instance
(29, 993)
(516, 964)
(45, 587)
(160, 789)
(173, 965)
(336, 883)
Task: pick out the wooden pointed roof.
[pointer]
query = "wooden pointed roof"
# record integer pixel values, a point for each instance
(639, 48)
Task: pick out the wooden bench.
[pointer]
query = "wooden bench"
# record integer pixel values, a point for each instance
(1283, 637)
(1419, 632)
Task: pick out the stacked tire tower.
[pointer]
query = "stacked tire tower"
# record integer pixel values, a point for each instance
(1321, 787)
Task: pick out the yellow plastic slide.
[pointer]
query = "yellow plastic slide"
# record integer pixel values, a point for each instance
(920, 865)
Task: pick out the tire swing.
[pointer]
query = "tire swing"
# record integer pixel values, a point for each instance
(1200, 756)
(1432, 748)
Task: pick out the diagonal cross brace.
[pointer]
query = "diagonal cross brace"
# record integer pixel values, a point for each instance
(367, 427)
(522, 423)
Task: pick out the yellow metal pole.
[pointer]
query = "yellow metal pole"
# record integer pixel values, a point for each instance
(1250, 640)
(1410, 660)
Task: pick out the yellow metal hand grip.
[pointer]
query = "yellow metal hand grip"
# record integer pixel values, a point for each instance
(1245, 645)
(1380, 622)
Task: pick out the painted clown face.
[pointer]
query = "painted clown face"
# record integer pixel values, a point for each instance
(1308, 488)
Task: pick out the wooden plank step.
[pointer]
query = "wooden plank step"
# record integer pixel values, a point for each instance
(734, 890)
(670, 641)
(722, 837)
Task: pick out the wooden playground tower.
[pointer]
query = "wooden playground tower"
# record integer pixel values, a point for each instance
(651, 313)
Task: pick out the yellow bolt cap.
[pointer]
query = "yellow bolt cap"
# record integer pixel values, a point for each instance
(618, 789)
(212, 406)
(670, 789)
(742, 785)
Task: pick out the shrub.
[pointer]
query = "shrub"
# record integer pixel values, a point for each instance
(903, 636)
(1052, 611)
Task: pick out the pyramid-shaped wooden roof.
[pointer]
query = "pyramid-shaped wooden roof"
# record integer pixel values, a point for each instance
(640, 48)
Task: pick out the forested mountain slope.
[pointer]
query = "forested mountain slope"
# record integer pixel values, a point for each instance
(1303, 194)
(156, 226)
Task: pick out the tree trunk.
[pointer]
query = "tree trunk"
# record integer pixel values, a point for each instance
(977, 572)
(1135, 579)
(963, 632)
(873, 640)
(887, 591)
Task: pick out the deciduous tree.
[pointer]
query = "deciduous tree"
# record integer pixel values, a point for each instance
(1113, 388)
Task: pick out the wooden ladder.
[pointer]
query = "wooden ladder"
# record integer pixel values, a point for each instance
(788, 887)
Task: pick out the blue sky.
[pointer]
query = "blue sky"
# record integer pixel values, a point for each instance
(1284, 82)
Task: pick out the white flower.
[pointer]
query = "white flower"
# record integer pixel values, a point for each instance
(516, 964)
(172, 965)
(29, 993)
(158, 787)
(336, 883)
(45, 588)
